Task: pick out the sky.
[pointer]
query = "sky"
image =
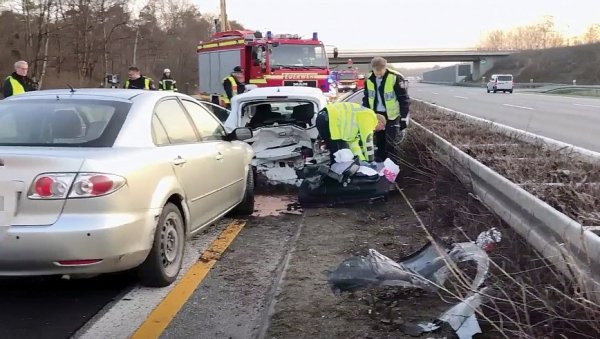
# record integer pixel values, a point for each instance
(402, 24)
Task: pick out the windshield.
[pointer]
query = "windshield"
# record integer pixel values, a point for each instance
(286, 55)
(504, 78)
(347, 76)
(63, 123)
(268, 113)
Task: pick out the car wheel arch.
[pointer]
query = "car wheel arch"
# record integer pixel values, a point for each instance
(168, 190)
(179, 201)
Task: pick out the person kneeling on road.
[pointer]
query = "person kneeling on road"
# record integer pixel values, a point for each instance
(348, 125)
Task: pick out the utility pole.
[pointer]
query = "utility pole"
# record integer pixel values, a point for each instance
(224, 21)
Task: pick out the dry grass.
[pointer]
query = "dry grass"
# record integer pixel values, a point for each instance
(564, 182)
(531, 298)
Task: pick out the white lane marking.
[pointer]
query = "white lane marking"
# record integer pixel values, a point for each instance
(121, 318)
(583, 105)
(436, 93)
(523, 107)
(458, 96)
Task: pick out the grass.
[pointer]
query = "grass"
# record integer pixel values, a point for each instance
(584, 92)
(529, 297)
(564, 182)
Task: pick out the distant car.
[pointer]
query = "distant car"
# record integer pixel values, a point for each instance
(500, 83)
(106, 180)
(283, 124)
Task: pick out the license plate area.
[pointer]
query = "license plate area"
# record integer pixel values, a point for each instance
(300, 83)
(8, 202)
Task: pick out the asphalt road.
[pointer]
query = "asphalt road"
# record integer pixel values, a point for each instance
(572, 120)
(49, 307)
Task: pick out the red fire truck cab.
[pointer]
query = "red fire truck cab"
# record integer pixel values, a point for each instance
(273, 60)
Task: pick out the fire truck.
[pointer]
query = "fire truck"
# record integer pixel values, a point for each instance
(271, 60)
(349, 79)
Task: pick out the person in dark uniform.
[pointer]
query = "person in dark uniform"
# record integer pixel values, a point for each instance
(18, 82)
(137, 80)
(386, 94)
(233, 85)
(167, 83)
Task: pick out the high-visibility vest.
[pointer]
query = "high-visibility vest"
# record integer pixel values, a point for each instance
(231, 79)
(392, 106)
(17, 88)
(146, 83)
(167, 85)
(354, 124)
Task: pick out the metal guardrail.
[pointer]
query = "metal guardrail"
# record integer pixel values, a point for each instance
(553, 234)
(528, 137)
(558, 238)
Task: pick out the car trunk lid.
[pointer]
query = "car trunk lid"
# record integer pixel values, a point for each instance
(20, 168)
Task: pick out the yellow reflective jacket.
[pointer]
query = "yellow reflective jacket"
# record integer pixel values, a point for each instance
(354, 124)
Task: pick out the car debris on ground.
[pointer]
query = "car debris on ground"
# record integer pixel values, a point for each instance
(427, 269)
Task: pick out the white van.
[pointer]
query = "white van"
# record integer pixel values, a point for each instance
(500, 82)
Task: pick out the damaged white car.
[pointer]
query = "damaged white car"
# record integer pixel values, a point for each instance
(283, 122)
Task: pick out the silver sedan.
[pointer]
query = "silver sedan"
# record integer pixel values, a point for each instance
(102, 180)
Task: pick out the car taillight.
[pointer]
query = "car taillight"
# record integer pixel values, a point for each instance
(51, 186)
(71, 185)
(93, 185)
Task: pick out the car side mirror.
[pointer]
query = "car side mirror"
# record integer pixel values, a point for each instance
(241, 134)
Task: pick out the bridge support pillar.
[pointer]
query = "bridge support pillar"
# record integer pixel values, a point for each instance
(482, 66)
(476, 73)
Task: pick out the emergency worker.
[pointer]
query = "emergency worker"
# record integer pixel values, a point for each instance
(137, 80)
(233, 85)
(167, 83)
(18, 82)
(386, 94)
(349, 125)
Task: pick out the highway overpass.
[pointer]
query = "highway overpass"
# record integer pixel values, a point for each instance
(482, 60)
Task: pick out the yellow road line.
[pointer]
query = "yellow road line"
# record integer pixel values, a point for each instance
(164, 313)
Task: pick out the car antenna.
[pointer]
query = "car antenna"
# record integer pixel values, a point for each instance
(72, 89)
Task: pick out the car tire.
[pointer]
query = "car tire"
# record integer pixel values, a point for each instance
(163, 263)
(510, 91)
(495, 90)
(488, 90)
(246, 207)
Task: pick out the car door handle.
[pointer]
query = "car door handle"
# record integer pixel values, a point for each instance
(219, 156)
(179, 161)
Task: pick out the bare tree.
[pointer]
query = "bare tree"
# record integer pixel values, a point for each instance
(592, 34)
(78, 42)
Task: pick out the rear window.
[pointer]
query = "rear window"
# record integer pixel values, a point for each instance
(61, 123)
(505, 78)
(270, 113)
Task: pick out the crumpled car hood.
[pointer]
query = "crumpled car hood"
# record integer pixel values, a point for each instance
(277, 143)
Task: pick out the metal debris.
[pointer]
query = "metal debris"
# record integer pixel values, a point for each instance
(461, 317)
(427, 268)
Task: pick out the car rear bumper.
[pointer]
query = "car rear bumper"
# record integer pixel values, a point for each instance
(119, 241)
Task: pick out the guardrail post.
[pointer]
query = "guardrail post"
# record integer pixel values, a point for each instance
(531, 83)
(574, 82)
